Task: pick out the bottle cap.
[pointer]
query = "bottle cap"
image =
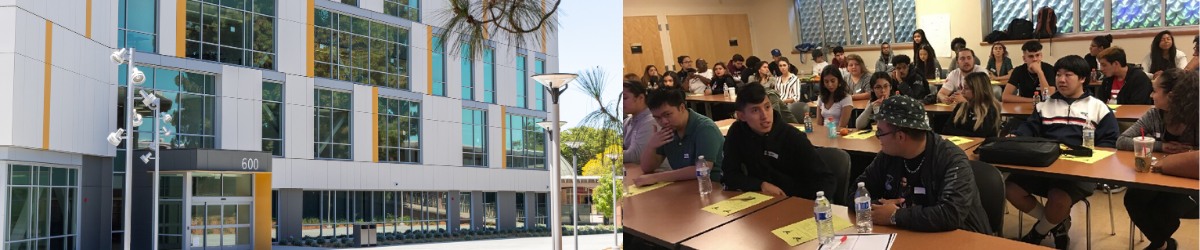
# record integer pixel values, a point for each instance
(861, 184)
(820, 193)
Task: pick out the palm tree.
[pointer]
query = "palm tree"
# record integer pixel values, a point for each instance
(592, 82)
(522, 20)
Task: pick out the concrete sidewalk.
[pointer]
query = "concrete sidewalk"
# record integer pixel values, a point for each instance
(588, 242)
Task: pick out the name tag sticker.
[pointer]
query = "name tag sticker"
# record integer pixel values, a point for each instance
(771, 154)
(919, 190)
(685, 156)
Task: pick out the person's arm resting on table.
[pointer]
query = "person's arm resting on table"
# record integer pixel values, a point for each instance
(952, 206)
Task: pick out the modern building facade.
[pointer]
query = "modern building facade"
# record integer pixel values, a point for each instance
(348, 111)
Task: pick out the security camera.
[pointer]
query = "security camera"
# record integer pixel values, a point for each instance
(137, 119)
(136, 76)
(115, 138)
(166, 118)
(118, 56)
(146, 158)
(149, 99)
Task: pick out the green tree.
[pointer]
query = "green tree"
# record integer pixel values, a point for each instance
(594, 140)
(602, 196)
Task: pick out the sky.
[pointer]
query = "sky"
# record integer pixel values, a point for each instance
(589, 36)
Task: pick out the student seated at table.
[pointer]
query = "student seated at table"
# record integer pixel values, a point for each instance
(977, 113)
(1163, 55)
(884, 64)
(668, 81)
(950, 89)
(927, 63)
(1099, 43)
(1127, 88)
(998, 65)
(763, 77)
(858, 77)
(882, 87)
(834, 103)
(683, 137)
(651, 77)
(819, 62)
(1061, 118)
(638, 127)
(1194, 63)
(909, 80)
(1173, 124)
(924, 182)
(1031, 76)
(957, 45)
(721, 79)
(772, 157)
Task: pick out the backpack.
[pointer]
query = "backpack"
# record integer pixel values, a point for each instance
(1020, 29)
(1047, 23)
(995, 36)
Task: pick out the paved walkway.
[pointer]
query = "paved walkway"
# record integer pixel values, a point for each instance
(588, 242)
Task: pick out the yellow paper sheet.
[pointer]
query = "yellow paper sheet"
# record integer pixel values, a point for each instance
(941, 104)
(997, 83)
(1097, 155)
(737, 203)
(806, 230)
(859, 135)
(798, 126)
(957, 140)
(635, 190)
(1114, 106)
(726, 127)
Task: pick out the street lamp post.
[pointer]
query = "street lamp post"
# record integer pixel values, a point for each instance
(616, 242)
(556, 83)
(119, 57)
(574, 145)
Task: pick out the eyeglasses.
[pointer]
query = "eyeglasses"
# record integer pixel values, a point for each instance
(879, 135)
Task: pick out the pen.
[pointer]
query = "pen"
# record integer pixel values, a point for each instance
(838, 243)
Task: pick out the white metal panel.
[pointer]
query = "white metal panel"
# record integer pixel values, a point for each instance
(298, 135)
(292, 55)
(372, 5)
(27, 121)
(495, 144)
(360, 132)
(506, 75)
(8, 26)
(167, 19)
(7, 78)
(250, 113)
(32, 41)
(227, 105)
(293, 10)
(418, 61)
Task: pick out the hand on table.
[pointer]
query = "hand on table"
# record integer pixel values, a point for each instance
(644, 180)
(771, 189)
(882, 213)
(1175, 147)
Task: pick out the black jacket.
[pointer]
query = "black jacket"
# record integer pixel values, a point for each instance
(944, 172)
(1136, 90)
(783, 157)
(719, 83)
(987, 129)
(914, 85)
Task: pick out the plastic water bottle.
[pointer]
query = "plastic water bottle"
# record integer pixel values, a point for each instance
(702, 171)
(831, 125)
(1089, 137)
(808, 124)
(1037, 97)
(823, 213)
(862, 209)
(1113, 100)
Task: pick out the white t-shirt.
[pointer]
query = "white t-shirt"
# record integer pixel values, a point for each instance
(707, 74)
(817, 68)
(1181, 60)
(955, 79)
(835, 112)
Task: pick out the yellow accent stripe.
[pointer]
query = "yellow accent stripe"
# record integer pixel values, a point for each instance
(503, 139)
(262, 211)
(180, 31)
(429, 66)
(375, 124)
(46, 86)
(88, 17)
(311, 27)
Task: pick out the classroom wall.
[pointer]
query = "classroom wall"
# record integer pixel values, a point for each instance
(771, 27)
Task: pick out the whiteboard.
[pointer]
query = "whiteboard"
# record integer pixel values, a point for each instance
(937, 32)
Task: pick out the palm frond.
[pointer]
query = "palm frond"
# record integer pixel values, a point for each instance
(519, 22)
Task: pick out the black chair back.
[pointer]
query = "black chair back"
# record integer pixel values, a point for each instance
(838, 161)
(991, 193)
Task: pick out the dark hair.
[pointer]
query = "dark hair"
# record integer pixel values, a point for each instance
(966, 49)
(817, 53)
(1104, 41)
(635, 87)
(926, 65)
(738, 57)
(680, 58)
(1114, 54)
(958, 40)
(668, 96)
(751, 94)
(631, 76)
(1181, 86)
(1074, 64)
(875, 79)
(714, 69)
(881, 54)
(924, 41)
(840, 93)
(1157, 62)
(662, 81)
(1031, 46)
(839, 49)
(791, 67)
(651, 80)
(993, 57)
(901, 59)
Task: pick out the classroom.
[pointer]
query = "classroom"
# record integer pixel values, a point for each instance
(990, 124)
